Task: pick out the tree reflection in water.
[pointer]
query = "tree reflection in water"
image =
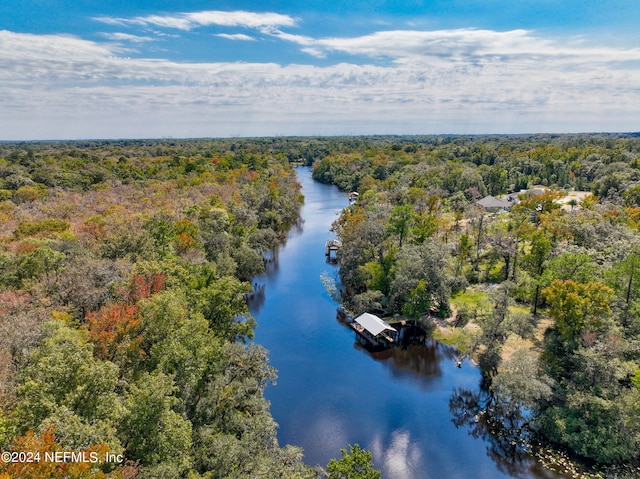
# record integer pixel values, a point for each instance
(418, 363)
(423, 360)
(504, 429)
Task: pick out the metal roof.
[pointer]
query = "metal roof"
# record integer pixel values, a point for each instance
(373, 324)
(491, 202)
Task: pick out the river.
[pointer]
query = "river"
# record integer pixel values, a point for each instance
(331, 393)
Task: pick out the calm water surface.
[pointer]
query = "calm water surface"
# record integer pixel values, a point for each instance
(331, 393)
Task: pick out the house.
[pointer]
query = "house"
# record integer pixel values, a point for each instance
(490, 203)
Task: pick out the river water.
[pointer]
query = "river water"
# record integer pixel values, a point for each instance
(331, 393)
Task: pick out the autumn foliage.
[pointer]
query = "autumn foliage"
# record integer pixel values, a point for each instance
(115, 329)
(119, 290)
(43, 463)
(145, 286)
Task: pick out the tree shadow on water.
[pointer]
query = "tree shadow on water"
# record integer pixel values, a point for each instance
(504, 430)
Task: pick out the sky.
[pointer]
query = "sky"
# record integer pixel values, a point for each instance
(80, 69)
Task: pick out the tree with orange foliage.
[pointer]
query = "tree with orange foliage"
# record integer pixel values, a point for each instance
(42, 457)
(145, 286)
(538, 204)
(115, 331)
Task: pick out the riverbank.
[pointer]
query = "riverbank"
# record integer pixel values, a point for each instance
(331, 392)
(463, 333)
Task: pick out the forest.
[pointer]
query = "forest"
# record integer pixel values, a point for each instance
(124, 268)
(124, 328)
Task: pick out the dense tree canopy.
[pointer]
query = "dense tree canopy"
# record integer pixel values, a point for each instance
(124, 267)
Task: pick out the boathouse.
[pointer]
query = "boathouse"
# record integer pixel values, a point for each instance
(332, 245)
(374, 331)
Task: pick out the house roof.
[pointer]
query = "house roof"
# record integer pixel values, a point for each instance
(373, 324)
(491, 202)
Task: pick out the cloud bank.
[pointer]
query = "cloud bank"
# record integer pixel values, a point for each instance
(400, 81)
(463, 44)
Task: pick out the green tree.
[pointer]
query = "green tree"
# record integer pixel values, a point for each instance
(624, 277)
(150, 430)
(161, 315)
(495, 329)
(631, 197)
(355, 464)
(425, 226)
(576, 307)
(503, 247)
(636, 379)
(417, 301)
(401, 220)
(64, 384)
(362, 232)
(577, 267)
(249, 262)
(462, 255)
(535, 263)
(188, 354)
(214, 226)
(594, 427)
(420, 277)
(520, 388)
(41, 261)
(236, 435)
(161, 229)
(375, 276)
(223, 305)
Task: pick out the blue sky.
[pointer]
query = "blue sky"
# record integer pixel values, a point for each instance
(72, 69)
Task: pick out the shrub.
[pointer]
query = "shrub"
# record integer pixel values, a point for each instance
(41, 228)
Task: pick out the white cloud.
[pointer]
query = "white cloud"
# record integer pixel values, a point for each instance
(189, 21)
(126, 37)
(401, 458)
(16, 45)
(458, 44)
(236, 36)
(241, 19)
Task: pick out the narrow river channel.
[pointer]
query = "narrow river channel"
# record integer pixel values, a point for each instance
(331, 393)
